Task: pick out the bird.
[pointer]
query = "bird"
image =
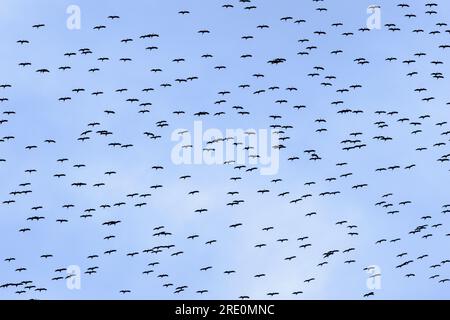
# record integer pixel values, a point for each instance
(355, 133)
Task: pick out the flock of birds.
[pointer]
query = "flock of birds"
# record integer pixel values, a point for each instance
(281, 116)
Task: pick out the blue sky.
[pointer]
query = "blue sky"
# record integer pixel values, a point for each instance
(385, 86)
